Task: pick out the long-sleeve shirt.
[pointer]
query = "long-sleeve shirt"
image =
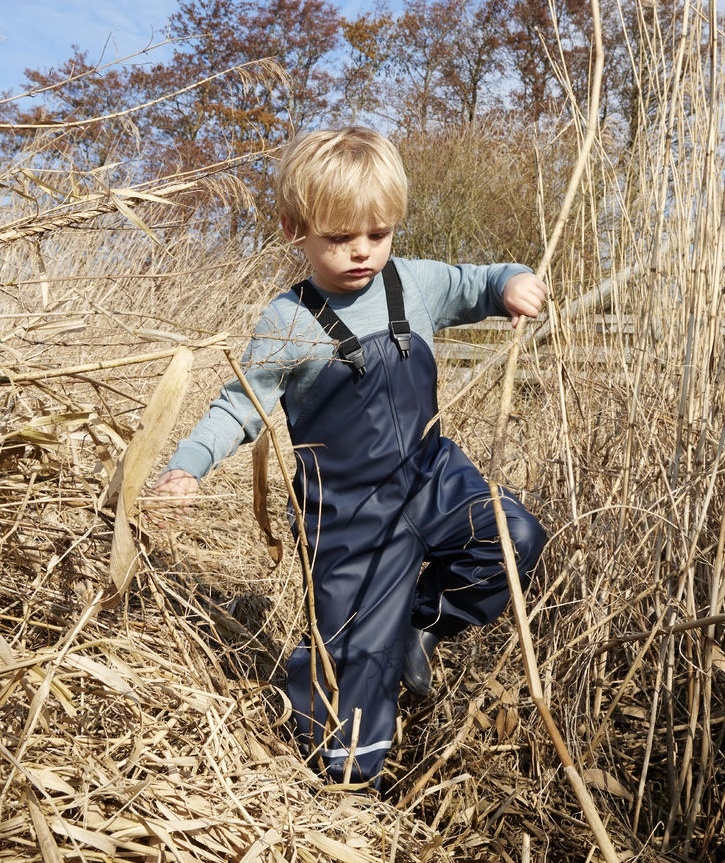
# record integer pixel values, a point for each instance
(289, 348)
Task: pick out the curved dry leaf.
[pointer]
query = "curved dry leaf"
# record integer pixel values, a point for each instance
(136, 464)
(606, 782)
(336, 850)
(32, 431)
(48, 779)
(271, 838)
(137, 195)
(48, 848)
(91, 838)
(507, 720)
(102, 673)
(135, 219)
(260, 462)
(70, 324)
(154, 428)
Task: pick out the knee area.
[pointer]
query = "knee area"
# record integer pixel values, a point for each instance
(528, 537)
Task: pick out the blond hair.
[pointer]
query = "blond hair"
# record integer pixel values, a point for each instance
(342, 180)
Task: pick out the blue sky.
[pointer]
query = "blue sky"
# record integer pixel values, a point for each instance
(38, 34)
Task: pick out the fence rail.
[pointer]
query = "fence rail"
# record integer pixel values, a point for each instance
(610, 337)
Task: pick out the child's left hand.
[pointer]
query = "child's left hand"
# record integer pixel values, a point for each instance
(524, 294)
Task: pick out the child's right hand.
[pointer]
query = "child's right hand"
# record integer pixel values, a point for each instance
(173, 488)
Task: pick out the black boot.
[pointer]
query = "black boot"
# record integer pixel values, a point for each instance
(417, 670)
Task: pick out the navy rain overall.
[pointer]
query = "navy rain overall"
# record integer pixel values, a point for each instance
(380, 498)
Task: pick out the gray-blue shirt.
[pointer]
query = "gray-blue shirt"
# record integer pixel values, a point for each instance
(289, 348)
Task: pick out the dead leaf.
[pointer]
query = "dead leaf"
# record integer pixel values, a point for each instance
(507, 720)
(133, 470)
(260, 462)
(606, 782)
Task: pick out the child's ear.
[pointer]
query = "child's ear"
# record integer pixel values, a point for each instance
(289, 230)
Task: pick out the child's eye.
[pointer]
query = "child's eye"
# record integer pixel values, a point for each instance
(337, 240)
(379, 236)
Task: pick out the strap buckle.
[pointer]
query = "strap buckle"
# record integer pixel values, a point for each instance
(400, 332)
(351, 351)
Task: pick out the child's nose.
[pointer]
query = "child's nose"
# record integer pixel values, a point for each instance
(360, 247)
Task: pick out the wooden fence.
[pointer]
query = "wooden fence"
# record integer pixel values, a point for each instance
(479, 343)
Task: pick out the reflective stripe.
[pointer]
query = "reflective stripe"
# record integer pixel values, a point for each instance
(341, 752)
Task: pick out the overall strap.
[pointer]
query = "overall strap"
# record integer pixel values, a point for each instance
(349, 345)
(399, 326)
(350, 348)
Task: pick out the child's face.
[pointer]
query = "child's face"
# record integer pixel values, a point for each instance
(346, 261)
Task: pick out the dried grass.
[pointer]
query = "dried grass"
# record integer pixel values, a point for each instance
(159, 726)
(156, 728)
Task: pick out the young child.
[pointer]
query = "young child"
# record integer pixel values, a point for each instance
(349, 353)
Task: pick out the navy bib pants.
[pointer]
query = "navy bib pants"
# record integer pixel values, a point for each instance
(380, 499)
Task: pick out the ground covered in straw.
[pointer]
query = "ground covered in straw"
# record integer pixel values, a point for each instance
(144, 718)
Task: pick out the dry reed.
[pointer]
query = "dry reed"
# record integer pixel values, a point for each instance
(157, 728)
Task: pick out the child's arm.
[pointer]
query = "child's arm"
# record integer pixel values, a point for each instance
(524, 294)
(280, 346)
(452, 296)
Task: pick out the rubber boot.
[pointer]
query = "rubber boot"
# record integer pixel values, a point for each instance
(417, 669)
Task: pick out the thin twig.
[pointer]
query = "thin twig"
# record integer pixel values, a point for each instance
(268, 65)
(100, 365)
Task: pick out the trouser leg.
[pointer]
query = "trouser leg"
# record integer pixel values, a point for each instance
(465, 582)
(363, 605)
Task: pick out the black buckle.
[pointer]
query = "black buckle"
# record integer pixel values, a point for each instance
(352, 351)
(400, 331)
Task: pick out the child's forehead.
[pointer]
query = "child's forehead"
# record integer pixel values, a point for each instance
(361, 213)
